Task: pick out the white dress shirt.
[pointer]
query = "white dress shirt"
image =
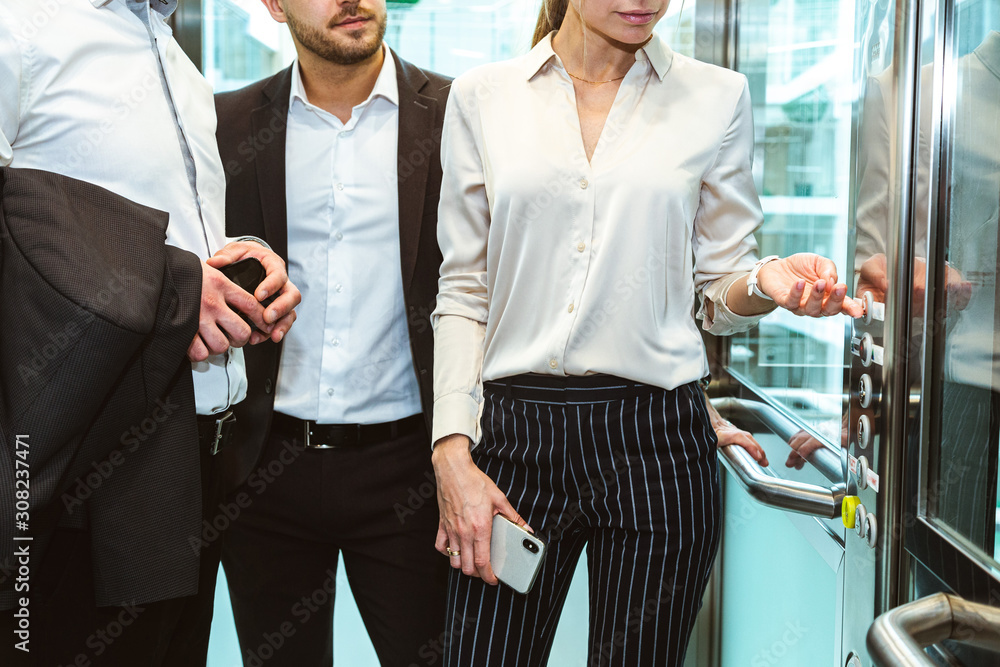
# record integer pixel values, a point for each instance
(347, 359)
(91, 91)
(557, 265)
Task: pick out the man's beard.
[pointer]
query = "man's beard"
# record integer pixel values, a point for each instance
(349, 51)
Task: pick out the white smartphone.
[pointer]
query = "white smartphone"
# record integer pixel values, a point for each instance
(515, 554)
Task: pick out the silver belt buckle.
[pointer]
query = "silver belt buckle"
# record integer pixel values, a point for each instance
(307, 437)
(214, 449)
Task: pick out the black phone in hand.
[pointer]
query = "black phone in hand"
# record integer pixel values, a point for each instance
(247, 274)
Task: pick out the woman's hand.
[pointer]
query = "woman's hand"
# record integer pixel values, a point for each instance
(468, 500)
(806, 284)
(729, 434)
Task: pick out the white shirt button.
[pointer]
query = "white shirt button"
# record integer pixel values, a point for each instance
(340, 186)
(340, 236)
(570, 309)
(581, 246)
(584, 183)
(335, 342)
(553, 363)
(329, 392)
(339, 287)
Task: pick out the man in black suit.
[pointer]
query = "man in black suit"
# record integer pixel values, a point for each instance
(335, 163)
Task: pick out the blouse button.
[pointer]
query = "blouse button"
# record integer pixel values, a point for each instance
(581, 246)
(570, 309)
(584, 183)
(553, 363)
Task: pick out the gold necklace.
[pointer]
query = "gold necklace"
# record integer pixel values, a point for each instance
(595, 83)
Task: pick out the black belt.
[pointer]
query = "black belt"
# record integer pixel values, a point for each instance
(332, 436)
(215, 431)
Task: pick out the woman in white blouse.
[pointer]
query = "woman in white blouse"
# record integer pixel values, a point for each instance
(592, 190)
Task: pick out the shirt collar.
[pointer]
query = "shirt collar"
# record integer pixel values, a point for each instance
(164, 7)
(385, 85)
(655, 51)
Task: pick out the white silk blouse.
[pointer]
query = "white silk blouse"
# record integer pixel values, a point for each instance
(559, 265)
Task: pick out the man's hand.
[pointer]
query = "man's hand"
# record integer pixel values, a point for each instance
(219, 327)
(280, 315)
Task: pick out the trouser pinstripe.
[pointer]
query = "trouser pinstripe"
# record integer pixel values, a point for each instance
(625, 470)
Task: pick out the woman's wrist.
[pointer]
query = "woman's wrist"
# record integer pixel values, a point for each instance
(452, 447)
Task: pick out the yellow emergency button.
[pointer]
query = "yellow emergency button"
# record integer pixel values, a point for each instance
(848, 509)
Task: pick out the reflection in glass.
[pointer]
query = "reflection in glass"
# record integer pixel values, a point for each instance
(798, 56)
(963, 484)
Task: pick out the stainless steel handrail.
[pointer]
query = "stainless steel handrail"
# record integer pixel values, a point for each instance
(898, 637)
(824, 459)
(781, 493)
(767, 489)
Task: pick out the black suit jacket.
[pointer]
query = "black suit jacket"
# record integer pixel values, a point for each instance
(97, 314)
(251, 135)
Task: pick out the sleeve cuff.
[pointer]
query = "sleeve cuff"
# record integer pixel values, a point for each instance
(253, 239)
(457, 414)
(724, 322)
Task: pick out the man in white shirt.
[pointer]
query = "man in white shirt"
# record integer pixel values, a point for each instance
(99, 91)
(335, 163)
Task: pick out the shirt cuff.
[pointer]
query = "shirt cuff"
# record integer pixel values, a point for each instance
(724, 322)
(457, 414)
(254, 239)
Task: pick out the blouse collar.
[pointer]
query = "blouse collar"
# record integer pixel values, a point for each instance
(656, 51)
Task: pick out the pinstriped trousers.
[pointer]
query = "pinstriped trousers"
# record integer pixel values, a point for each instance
(624, 470)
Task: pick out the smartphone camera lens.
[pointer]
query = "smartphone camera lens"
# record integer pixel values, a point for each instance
(530, 546)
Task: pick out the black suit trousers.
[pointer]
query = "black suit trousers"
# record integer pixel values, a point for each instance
(300, 510)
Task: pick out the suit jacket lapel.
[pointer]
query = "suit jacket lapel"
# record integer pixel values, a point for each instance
(270, 123)
(415, 148)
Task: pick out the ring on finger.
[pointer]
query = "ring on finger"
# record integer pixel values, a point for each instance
(453, 552)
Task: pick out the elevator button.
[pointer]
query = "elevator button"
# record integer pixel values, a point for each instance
(861, 524)
(848, 511)
(854, 661)
(871, 530)
(864, 431)
(866, 307)
(862, 472)
(865, 390)
(867, 350)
